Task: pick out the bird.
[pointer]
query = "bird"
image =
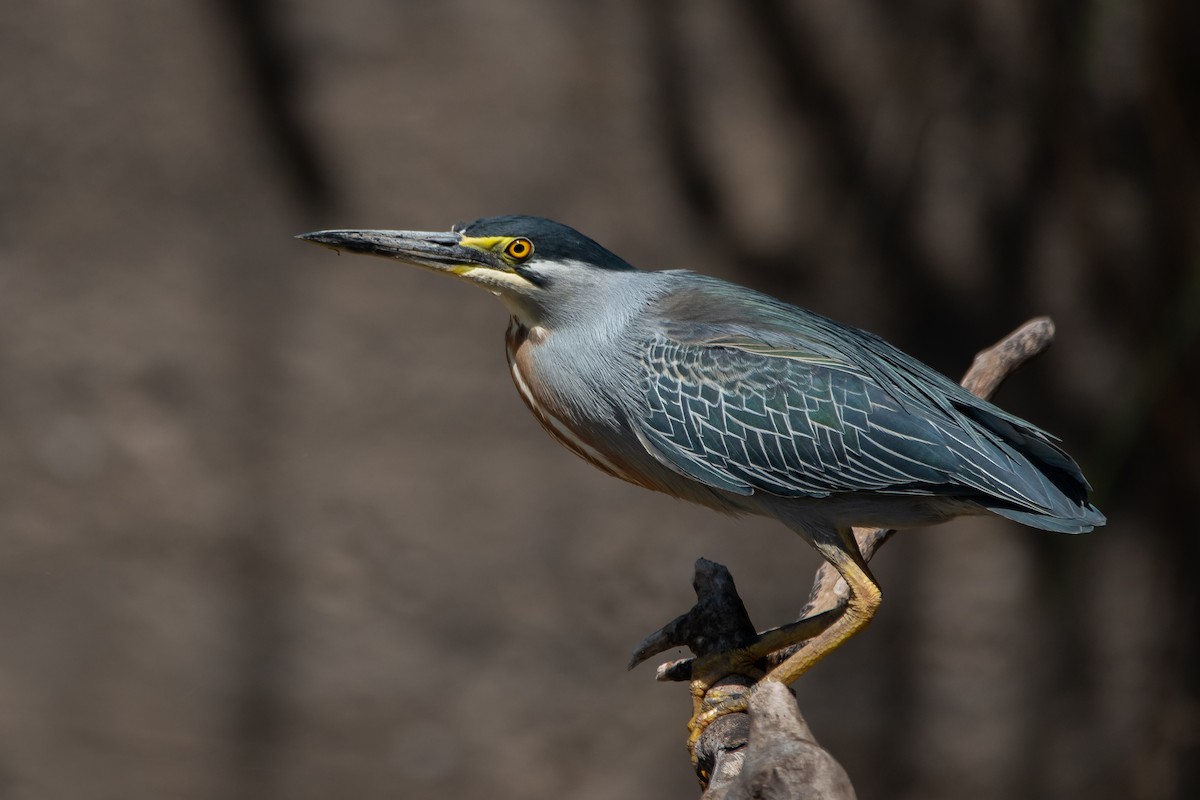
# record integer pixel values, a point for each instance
(721, 395)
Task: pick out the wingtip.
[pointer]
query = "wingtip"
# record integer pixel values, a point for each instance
(1086, 521)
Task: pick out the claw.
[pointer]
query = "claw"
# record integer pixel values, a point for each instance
(711, 704)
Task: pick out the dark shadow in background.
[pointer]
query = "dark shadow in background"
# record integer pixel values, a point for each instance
(271, 70)
(258, 299)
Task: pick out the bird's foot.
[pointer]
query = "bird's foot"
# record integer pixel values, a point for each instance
(730, 656)
(727, 650)
(720, 684)
(709, 704)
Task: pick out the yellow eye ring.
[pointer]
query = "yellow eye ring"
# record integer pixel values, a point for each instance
(519, 249)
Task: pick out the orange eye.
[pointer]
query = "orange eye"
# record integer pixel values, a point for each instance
(519, 249)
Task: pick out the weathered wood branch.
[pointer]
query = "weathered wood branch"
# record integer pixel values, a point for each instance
(769, 752)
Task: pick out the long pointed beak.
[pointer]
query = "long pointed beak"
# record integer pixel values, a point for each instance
(442, 252)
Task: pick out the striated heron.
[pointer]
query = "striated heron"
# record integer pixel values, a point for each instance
(723, 396)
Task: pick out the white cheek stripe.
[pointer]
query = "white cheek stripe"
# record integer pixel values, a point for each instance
(564, 434)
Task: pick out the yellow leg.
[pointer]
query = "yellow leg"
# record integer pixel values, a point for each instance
(861, 606)
(821, 635)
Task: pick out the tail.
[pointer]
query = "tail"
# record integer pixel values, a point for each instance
(1054, 493)
(1089, 518)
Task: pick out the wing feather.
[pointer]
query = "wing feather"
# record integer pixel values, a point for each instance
(747, 419)
(796, 404)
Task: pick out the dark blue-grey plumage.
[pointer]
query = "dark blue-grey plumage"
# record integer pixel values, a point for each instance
(746, 393)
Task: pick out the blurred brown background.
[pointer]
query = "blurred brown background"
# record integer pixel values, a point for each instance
(274, 524)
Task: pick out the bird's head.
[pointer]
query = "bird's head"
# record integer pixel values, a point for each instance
(534, 265)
